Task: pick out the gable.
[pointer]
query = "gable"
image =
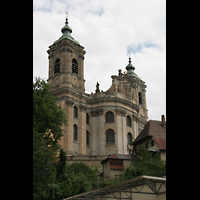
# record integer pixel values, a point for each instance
(155, 130)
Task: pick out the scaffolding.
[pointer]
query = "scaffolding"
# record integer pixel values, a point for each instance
(125, 189)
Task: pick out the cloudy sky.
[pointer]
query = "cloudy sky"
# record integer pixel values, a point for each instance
(108, 30)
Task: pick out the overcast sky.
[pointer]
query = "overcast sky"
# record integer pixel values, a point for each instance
(108, 30)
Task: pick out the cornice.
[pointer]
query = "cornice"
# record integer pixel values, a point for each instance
(62, 73)
(68, 42)
(92, 101)
(113, 100)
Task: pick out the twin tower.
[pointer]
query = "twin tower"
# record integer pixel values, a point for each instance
(101, 123)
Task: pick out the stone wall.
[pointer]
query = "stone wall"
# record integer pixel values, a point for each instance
(94, 160)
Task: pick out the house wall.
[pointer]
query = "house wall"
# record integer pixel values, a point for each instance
(127, 163)
(114, 173)
(163, 155)
(110, 173)
(88, 160)
(106, 169)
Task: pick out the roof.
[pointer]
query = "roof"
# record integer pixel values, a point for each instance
(66, 31)
(156, 130)
(116, 160)
(125, 186)
(118, 157)
(130, 70)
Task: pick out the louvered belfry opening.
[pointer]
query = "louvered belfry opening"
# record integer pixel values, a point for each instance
(57, 66)
(74, 66)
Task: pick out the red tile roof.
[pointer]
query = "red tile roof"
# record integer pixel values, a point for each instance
(118, 157)
(156, 130)
(161, 143)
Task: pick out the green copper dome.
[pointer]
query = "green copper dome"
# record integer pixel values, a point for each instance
(130, 67)
(66, 33)
(130, 70)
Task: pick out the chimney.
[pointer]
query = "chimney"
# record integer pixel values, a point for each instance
(163, 120)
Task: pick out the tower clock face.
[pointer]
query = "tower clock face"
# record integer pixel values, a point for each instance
(56, 80)
(75, 80)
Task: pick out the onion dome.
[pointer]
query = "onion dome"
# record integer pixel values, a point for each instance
(130, 70)
(66, 33)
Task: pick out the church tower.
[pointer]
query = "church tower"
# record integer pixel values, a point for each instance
(66, 79)
(66, 62)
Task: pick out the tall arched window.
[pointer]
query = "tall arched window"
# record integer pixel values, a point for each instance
(109, 116)
(74, 66)
(140, 97)
(57, 66)
(75, 112)
(128, 120)
(75, 132)
(87, 138)
(129, 138)
(110, 136)
(87, 118)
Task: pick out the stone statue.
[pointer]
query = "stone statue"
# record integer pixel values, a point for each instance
(97, 86)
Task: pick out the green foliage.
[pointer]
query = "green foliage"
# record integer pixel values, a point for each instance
(54, 191)
(144, 164)
(47, 118)
(149, 163)
(78, 178)
(105, 182)
(61, 165)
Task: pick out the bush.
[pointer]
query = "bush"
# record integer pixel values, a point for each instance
(144, 164)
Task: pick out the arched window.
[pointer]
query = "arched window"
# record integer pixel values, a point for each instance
(75, 112)
(87, 118)
(75, 132)
(87, 138)
(110, 136)
(129, 138)
(74, 66)
(57, 66)
(128, 120)
(109, 116)
(140, 97)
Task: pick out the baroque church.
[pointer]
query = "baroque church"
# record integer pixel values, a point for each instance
(99, 123)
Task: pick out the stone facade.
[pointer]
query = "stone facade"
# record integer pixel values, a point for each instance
(126, 97)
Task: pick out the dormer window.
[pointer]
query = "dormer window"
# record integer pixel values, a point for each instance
(75, 66)
(57, 66)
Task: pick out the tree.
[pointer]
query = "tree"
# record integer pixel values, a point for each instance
(149, 163)
(145, 163)
(61, 164)
(47, 122)
(78, 178)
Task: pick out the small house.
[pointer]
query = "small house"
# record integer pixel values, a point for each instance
(152, 138)
(115, 164)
